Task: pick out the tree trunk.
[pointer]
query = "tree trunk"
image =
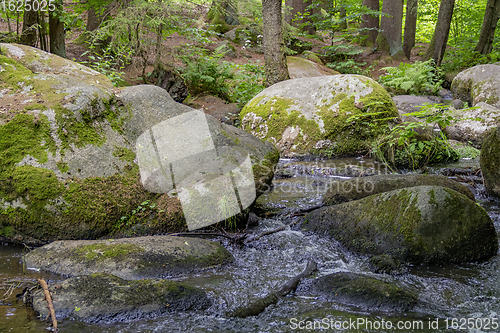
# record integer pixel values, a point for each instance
(491, 16)
(299, 8)
(342, 16)
(94, 19)
(274, 46)
(370, 25)
(410, 27)
(389, 38)
(56, 32)
(437, 47)
(28, 36)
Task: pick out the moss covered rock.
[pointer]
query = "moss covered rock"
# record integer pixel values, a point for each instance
(300, 67)
(415, 224)
(310, 115)
(345, 190)
(478, 84)
(129, 258)
(68, 165)
(472, 124)
(364, 292)
(105, 298)
(490, 162)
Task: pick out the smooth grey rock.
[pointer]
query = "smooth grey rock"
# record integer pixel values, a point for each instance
(129, 258)
(469, 130)
(345, 190)
(490, 162)
(477, 84)
(105, 298)
(415, 224)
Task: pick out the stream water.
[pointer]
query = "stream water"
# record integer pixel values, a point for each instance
(468, 292)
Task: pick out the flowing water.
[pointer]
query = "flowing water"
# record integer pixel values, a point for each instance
(468, 292)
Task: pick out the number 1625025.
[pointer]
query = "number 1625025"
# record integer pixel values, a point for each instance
(27, 5)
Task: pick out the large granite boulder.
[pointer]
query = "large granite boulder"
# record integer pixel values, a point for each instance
(364, 292)
(299, 67)
(105, 298)
(344, 190)
(69, 162)
(310, 115)
(472, 124)
(129, 258)
(415, 224)
(478, 84)
(490, 162)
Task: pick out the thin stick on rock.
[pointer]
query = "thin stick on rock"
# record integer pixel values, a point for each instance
(48, 298)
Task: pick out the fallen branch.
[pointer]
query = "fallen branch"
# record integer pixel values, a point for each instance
(251, 239)
(48, 298)
(260, 305)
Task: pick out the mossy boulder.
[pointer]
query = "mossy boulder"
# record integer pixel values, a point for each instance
(68, 165)
(300, 67)
(364, 292)
(345, 190)
(416, 224)
(105, 298)
(478, 84)
(129, 258)
(472, 125)
(310, 115)
(490, 162)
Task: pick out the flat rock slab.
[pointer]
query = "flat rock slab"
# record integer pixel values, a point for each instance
(129, 258)
(105, 298)
(364, 292)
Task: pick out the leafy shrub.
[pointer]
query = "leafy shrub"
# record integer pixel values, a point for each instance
(106, 62)
(417, 78)
(248, 83)
(207, 73)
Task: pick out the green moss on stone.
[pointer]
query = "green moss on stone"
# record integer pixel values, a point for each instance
(104, 251)
(124, 154)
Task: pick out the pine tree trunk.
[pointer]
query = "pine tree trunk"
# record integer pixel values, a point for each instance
(389, 38)
(491, 16)
(370, 22)
(274, 46)
(56, 32)
(439, 40)
(342, 16)
(28, 36)
(299, 8)
(410, 27)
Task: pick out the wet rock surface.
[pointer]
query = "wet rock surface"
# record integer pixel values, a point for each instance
(415, 224)
(129, 258)
(105, 298)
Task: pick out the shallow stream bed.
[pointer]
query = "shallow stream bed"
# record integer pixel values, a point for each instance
(445, 292)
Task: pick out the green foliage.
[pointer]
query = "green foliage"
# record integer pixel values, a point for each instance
(413, 144)
(106, 62)
(207, 73)
(248, 82)
(145, 209)
(417, 78)
(458, 59)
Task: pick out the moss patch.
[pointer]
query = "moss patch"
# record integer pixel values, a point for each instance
(104, 251)
(124, 154)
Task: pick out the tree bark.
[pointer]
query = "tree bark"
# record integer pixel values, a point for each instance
(410, 27)
(299, 8)
(491, 16)
(28, 36)
(274, 45)
(437, 47)
(56, 32)
(370, 22)
(389, 38)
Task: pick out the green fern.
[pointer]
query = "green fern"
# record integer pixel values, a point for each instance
(419, 78)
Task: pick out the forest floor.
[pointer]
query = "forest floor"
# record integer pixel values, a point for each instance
(368, 60)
